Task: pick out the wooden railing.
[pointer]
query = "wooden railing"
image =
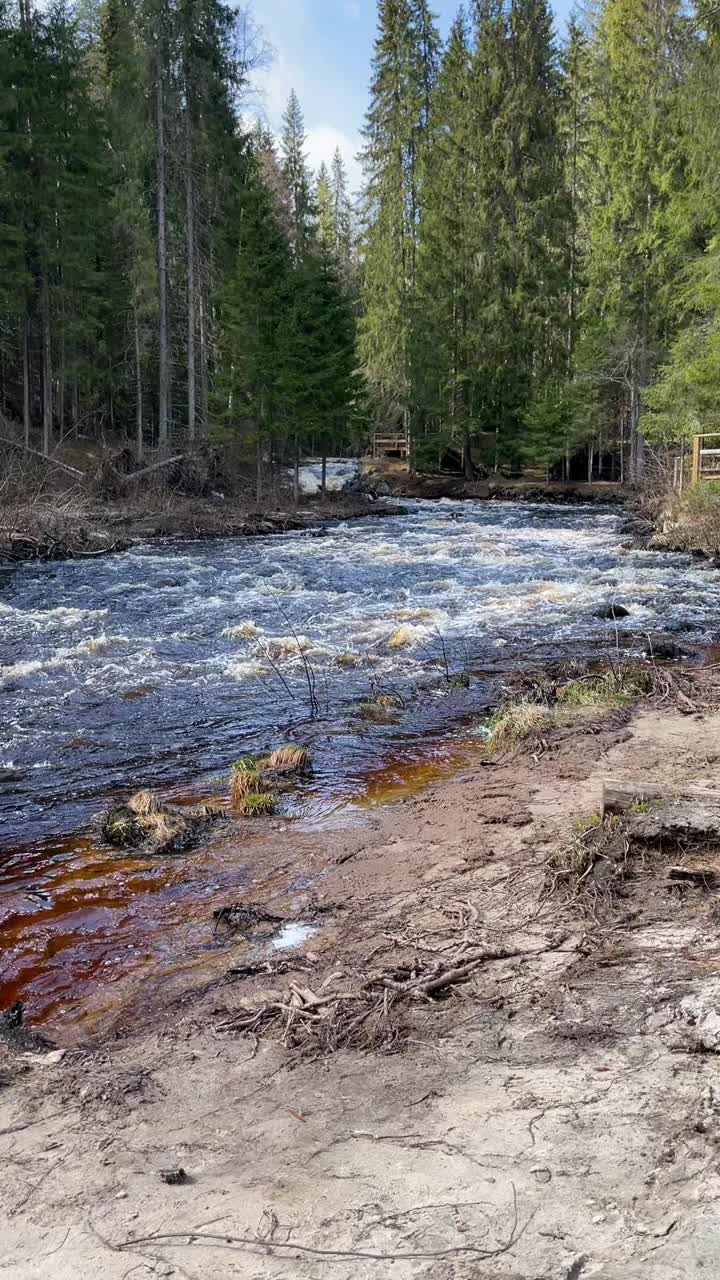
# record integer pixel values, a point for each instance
(387, 442)
(705, 459)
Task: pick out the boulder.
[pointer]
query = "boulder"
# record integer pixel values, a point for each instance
(612, 612)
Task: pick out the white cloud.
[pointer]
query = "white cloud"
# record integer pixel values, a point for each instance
(321, 144)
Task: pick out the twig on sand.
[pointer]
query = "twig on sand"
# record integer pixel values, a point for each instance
(290, 1249)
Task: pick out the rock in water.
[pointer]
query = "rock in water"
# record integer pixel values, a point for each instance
(612, 611)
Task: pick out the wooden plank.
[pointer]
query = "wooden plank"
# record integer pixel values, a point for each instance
(620, 794)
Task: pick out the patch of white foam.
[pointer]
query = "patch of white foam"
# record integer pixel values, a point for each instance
(293, 935)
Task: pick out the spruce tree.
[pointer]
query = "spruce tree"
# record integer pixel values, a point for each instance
(637, 167)
(448, 283)
(296, 176)
(395, 136)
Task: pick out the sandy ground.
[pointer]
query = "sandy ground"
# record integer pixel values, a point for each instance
(555, 1118)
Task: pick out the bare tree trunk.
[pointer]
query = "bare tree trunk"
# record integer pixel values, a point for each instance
(258, 470)
(591, 458)
(204, 395)
(323, 475)
(190, 233)
(138, 389)
(468, 468)
(46, 366)
(163, 359)
(26, 379)
(296, 474)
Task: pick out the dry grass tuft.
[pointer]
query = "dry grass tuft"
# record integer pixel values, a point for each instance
(145, 803)
(289, 759)
(517, 722)
(401, 638)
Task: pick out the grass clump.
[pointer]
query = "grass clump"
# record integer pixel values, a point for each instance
(607, 689)
(381, 707)
(518, 721)
(145, 822)
(256, 804)
(587, 824)
(287, 759)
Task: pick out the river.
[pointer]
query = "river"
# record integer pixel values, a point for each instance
(160, 666)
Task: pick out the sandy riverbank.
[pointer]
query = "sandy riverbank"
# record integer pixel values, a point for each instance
(551, 1117)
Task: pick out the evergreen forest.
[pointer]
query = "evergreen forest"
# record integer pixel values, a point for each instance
(530, 272)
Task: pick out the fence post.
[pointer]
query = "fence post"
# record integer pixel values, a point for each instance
(697, 441)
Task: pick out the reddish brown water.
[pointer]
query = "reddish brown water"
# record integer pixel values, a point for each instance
(86, 930)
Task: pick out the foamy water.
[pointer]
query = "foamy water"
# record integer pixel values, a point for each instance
(163, 664)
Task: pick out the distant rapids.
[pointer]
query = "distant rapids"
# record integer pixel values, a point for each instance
(161, 665)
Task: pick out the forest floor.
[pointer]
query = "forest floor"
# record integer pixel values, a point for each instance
(550, 1112)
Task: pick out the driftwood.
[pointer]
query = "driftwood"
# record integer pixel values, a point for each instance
(146, 471)
(51, 462)
(618, 796)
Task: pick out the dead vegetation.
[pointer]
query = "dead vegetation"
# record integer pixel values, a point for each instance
(370, 1010)
(539, 705)
(147, 824)
(670, 843)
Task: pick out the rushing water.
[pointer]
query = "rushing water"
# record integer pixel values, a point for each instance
(161, 665)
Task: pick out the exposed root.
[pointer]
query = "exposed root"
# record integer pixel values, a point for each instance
(372, 1017)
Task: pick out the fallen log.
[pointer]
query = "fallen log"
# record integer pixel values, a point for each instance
(146, 471)
(51, 462)
(618, 796)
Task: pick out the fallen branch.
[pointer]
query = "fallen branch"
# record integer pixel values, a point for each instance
(288, 1249)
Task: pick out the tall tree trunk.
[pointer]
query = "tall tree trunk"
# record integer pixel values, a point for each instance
(138, 388)
(26, 377)
(296, 474)
(46, 365)
(190, 234)
(258, 470)
(323, 475)
(467, 453)
(163, 339)
(204, 385)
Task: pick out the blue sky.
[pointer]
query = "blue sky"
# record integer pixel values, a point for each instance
(322, 49)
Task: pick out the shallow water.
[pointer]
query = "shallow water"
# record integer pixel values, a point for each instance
(161, 665)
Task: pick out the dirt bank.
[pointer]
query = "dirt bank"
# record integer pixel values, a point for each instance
(48, 534)
(553, 1116)
(408, 484)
